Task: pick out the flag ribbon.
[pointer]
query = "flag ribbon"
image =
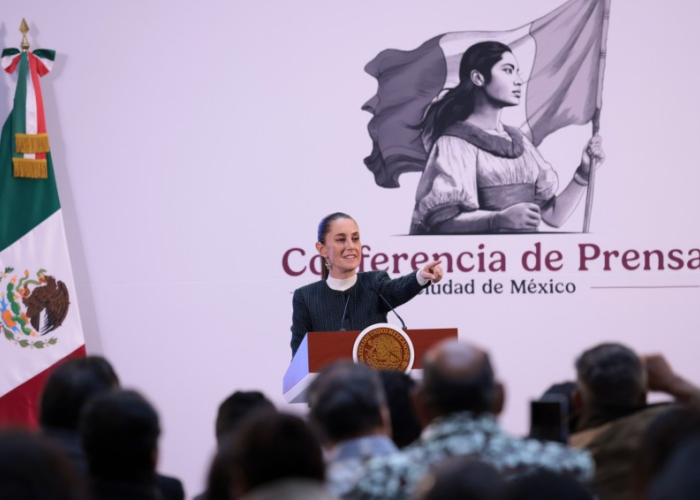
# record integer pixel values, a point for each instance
(31, 142)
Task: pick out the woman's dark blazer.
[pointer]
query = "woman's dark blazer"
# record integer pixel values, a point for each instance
(318, 308)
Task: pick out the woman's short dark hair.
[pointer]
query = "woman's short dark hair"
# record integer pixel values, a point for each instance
(324, 228)
(268, 447)
(70, 386)
(236, 408)
(119, 432)
(458, 103)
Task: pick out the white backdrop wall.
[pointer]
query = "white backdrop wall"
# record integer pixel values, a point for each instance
(194, 144)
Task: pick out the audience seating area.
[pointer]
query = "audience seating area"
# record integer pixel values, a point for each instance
(378, 435)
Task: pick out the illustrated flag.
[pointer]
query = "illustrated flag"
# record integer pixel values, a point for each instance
(39, 320)
(561, 61)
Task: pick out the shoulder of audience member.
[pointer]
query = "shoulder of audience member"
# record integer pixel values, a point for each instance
(388, 476)
(560, 457)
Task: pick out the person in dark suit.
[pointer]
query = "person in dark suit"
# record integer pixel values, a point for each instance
(345, 299)
(69, 387)
(119, 431)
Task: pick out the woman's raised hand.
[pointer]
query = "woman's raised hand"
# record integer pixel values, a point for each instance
(432, 271)
(594, 149)
(519, 216)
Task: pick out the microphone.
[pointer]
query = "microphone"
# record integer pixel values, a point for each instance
(403, 325)
(345, 309)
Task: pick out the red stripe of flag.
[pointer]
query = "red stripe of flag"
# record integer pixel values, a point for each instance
(13, 66)
(40, 116)
(20, 406)
(41, 68)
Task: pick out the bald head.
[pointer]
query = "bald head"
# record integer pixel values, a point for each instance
(456, 359)
(458, 377)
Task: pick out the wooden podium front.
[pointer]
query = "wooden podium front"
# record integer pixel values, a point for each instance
(321, 348)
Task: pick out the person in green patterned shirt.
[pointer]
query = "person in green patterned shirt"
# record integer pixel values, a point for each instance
(460, 399)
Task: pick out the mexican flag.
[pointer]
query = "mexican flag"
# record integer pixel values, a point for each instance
(39, 320)
(561, 58)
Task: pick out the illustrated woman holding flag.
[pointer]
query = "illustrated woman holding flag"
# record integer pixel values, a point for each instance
(483, 176)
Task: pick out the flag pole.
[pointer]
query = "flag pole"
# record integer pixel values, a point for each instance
(596, 116)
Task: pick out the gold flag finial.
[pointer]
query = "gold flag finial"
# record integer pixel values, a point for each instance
(24, 29)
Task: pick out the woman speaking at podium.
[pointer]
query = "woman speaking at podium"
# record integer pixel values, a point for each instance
(345, 299)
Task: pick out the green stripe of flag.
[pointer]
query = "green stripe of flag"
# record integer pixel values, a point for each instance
(9, 52)
(45, 54)
(24, 203)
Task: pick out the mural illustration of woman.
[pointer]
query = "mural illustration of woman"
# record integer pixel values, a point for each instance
(482, 176)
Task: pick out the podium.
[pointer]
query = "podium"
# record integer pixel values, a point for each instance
(319, 349)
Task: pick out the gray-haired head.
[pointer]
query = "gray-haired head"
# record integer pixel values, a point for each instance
(611, 375)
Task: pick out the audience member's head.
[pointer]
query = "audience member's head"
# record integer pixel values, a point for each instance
(347, 401)
(546, 485)
(462, 478)
(119, 431)
(458, 377)
(290, 489)
(220, 475)
(70, 386)
(234, 409)
(31, 468)
(664, 435)
(610, 376)
(679, 479)
(405, 427)
(267, 448)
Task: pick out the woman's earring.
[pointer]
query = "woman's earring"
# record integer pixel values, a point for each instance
(328, 264)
